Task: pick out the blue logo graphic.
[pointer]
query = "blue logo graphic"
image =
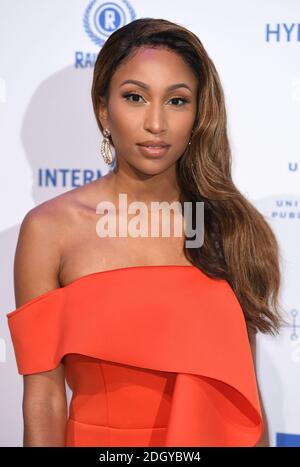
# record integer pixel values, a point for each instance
(63, 177)
(283, 32)
(287, 440)
(101, 19)
(294, 325)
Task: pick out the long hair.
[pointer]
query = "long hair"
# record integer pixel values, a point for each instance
(239, 245)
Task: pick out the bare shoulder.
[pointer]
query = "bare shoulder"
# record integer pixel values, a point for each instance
(48, 221)
(39, 247)
(45, 232)
(43, 235)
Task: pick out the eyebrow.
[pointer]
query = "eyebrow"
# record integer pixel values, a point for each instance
(145, 86)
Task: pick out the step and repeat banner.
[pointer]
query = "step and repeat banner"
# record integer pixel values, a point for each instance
(50, 143)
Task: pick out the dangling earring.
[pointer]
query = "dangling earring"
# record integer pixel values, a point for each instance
(192, 162)
(106, 148)
(190, 141)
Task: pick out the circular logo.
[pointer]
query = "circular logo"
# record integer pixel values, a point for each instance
(101, 19)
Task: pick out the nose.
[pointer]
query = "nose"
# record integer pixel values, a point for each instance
(154, 119)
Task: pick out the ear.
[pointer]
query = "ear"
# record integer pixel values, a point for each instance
(103, 112)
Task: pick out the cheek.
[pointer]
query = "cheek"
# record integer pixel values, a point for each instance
(181, 130)
(122, 119)
(182, 121)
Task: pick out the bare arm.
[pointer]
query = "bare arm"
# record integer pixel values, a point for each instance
(264, 439)
(36, 268)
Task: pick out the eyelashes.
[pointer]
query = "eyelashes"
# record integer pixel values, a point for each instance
(129, 94)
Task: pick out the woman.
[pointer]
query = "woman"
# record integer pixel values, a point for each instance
(153, 338)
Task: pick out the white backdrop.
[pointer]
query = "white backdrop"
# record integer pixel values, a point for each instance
(49, 143)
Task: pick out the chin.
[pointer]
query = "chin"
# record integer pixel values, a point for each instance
(148, 166)
(152, 167)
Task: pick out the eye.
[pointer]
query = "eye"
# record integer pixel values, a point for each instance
(183, 99)
(128, 95)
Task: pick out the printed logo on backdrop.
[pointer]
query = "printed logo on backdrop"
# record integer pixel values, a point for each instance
(295, 341)
(287, 440)
(282, 32)
(285, 209)
(101, 19)
(66, 177)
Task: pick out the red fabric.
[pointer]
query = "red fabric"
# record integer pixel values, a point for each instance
(154, 356)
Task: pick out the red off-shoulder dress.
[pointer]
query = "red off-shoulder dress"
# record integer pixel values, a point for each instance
(153, 355)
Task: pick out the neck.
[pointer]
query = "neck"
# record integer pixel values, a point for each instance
(146, 188)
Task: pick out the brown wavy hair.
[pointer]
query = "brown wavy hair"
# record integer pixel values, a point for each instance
(239, 245)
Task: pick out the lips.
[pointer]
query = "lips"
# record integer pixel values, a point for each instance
(151, 151)
(154, 144)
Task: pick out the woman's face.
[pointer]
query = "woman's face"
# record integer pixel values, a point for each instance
(149, 111)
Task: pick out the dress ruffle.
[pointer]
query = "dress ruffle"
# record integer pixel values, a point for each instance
(168, 318)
